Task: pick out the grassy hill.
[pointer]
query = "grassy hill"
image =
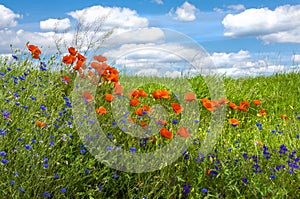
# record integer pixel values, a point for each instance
(42, 154)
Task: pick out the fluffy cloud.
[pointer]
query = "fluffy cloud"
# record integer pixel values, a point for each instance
(186, 12)
(19, 38)
(230, 59)
(7, 17)
(237, 8)
(279, 25)
(159, 2)
(55, 24)
(296, 58)
(231, 8)
(112, 17)
(141, 35)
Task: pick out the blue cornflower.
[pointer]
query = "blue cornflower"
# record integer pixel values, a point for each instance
(109, 148)
(69, 104)
(4, 161)
(56, 176)
(63, 190)
(87, 171)
(15, 57)
(186, 189)
(22, 78)
(272, 176)
(244, 181)
(12, 182)
(45, 159)
(28, 147)
(204, 190)
(132, 149)
(174, 121)
(82, 151)
(32, 98)
(46, 166)
(100, 188)
(3, 153)
(43, 107)
(51, 143)
(115, 176)
(46, 195)
(196, 121)
(21, 189)
(9, 69)
(283, 149)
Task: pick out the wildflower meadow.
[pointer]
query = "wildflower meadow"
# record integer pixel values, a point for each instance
(43, 155)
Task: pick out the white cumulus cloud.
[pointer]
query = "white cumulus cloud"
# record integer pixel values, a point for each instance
(114, 17)
(7, 17)
(55, 24)
(186, 12)
(278, 25)
(237, 7)
(296, 58)
(159, 2)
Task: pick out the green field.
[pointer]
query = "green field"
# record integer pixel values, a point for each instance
(258, 158)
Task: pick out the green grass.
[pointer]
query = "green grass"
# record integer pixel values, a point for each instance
(71, 166)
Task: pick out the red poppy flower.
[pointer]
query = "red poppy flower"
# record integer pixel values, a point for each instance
(35, 51)
(242, 108)
(207, 171)
(284, 117)
(177, 108)
(69, 59)
(142, 93)
(166, 133)
(101, 110)
(40, 124)
(81, 57)
(88, 96)
(109, 97)
(189, 97)
(259, 143)
(72, 51)
(134, 102)
(245, 103)
(262, 112)
(234, 121)
(256, 102)
(66, 78)
(223, 101)
(183, 132)
(161, 94)
(134, 94)
(139, 111)
(144, 124)
(118, 90)
(232, 105)
(100, 58)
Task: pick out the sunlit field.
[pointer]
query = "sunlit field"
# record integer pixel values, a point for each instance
(43, 156)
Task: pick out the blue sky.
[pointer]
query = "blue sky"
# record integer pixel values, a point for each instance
(255, 36)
